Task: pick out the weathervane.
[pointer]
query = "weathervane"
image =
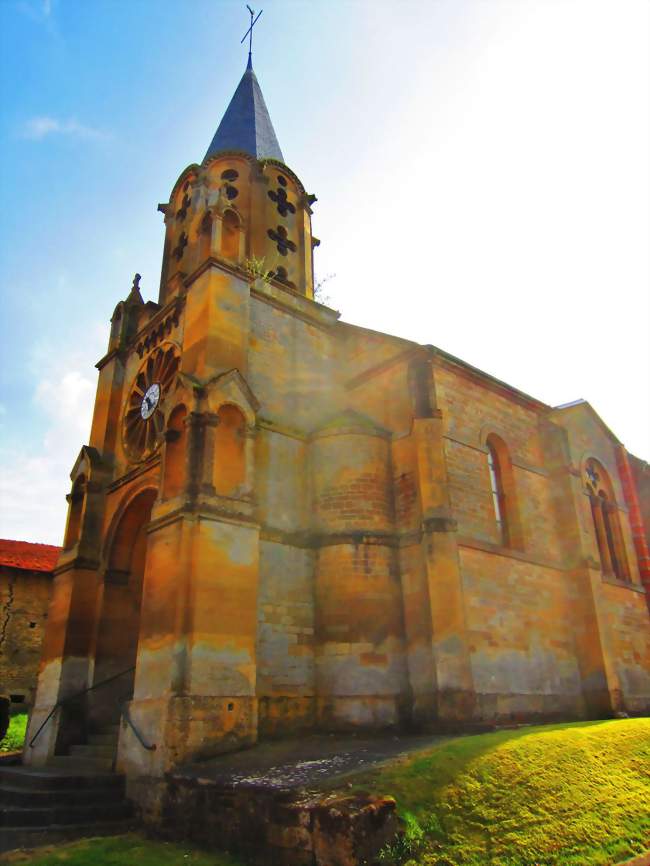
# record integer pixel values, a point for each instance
(249, 33)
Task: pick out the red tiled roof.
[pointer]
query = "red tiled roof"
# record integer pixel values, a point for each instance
(30, 557)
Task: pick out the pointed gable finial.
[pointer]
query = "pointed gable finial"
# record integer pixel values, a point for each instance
(249, 33)
(135, 296)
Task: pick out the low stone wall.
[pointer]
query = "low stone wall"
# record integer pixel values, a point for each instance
(270, 827)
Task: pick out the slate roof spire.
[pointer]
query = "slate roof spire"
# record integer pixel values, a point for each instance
(246, 125)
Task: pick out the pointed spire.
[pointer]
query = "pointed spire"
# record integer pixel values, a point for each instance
(246, 125)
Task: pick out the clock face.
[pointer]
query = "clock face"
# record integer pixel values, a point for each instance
(150, 401)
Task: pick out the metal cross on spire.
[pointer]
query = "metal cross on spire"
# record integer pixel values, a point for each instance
(249, 33)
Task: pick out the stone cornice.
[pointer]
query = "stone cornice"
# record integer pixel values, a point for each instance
(109, 356)
(136, 472)
(382, 367)
(623, 584)
(507, 552)
(75, 563)
(451, 362)
(312, 540)
(282, 430)
(203, 511)
(274, 293)
(164, 321)
(283, 298)
(520, 464)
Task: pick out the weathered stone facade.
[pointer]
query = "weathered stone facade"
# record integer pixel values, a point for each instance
(25, 588)
(285, 522)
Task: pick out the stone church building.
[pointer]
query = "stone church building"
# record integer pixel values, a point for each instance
(283, 522)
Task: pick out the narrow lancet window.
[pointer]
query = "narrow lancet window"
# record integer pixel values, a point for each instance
(498, 496)
(605, 516)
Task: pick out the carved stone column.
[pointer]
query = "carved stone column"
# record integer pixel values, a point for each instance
(250, 434)
(201, 452)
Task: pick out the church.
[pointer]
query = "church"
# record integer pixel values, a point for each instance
(284, 523)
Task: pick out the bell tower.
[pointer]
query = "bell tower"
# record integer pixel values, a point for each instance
(237, 226)
(155, 600)
(242, 210)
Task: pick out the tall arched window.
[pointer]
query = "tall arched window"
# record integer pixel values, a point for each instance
(230, 236)
(498, 494)
(175, 451)
(504, 493)
(605, 517)
(230, 454)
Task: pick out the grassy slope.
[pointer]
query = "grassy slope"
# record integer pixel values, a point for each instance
(561, 795)
(126, 850)
(575, 794)
(15, 736)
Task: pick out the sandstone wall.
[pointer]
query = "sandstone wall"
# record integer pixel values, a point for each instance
(285, 639)
(24, 600)
(626, 619)
(292, 367)
(520, 619)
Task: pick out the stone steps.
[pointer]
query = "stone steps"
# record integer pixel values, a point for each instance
(93, 750)
(82, 763)
(22, 798)
(32, 837)
(51, 815)
(103, 739)
(54, 804)
(98, 754)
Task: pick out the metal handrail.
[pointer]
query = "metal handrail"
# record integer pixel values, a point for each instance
(127, 717)
(74, 698)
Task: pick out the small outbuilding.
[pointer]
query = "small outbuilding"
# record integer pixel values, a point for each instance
(26, 572)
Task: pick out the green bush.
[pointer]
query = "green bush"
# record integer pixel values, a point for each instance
(15, 736)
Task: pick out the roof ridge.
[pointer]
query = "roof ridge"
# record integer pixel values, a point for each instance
(28, 555)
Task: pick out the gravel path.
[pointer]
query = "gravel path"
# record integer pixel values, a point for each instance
(309, 762)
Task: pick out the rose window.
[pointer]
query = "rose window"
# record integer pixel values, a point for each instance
(143, 419)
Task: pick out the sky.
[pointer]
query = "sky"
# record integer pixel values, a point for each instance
(481, 168)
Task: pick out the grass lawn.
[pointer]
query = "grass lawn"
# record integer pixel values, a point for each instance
(15, 736)
(558, 795)
(127, 850)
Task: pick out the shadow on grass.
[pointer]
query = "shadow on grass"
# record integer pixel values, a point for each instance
(468, 748)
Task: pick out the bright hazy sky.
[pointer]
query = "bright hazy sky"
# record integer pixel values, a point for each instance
(481, 170)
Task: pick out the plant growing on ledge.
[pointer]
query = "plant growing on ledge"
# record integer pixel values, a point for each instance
(257, 269)
(319, 294)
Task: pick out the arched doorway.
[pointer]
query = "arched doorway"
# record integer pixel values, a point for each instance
(117, 636)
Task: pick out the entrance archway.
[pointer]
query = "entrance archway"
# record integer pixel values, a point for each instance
(119, 624)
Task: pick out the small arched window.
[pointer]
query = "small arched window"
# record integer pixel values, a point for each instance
(230, 236)
(498, 494)
(605, 517)
(504, 493)
(75, 512)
